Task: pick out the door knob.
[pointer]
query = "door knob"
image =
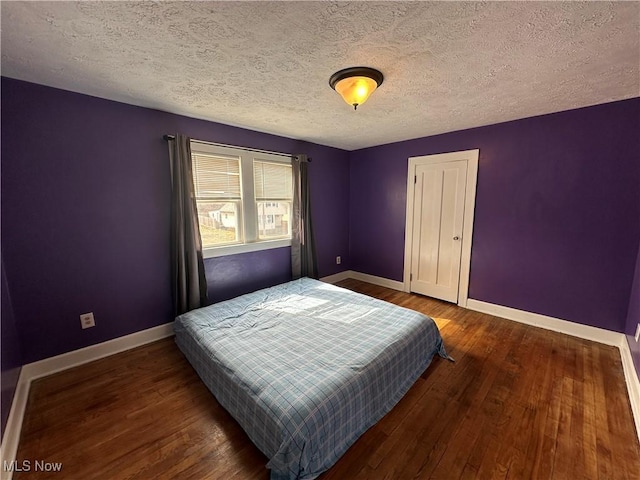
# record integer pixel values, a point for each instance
(456, 238)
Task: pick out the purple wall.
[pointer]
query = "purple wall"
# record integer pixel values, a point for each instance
(233, 275)
(557, 219)
(85, 215)
(10, 353)
(85, 202)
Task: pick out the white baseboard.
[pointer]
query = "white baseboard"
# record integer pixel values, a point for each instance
(380, 281)
(337, 277)
(579, 330)
(68, 360)
(11, 436)
(48, 366)
(364, 277)
(633, 382)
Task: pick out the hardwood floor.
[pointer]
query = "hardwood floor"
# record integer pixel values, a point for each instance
(518, 403)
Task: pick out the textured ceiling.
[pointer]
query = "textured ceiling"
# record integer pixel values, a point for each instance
(266, 65)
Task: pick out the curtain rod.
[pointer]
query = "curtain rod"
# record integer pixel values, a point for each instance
(171, 137)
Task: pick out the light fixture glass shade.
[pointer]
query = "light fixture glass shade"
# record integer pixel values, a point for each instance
(356, 90)
(355, 84)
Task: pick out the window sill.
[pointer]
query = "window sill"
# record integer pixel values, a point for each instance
(245, 248)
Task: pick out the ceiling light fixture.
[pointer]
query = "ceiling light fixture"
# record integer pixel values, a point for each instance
(355, 84)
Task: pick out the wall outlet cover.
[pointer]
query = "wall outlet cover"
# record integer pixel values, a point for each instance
(87, 320)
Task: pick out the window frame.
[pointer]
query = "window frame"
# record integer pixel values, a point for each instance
(248, 227)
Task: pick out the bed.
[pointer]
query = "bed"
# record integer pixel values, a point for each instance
(307, 367)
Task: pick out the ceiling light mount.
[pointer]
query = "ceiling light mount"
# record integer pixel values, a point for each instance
(355, 84)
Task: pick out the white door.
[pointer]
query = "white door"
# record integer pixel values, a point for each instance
(437, 228)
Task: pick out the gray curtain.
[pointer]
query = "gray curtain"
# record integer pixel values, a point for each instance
(303, 246)
(189, 285)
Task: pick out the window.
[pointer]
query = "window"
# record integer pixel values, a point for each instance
(216, 179)
(274, 195)
(244, 199)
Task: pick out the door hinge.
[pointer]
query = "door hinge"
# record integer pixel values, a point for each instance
(411, 277)
(415, 179)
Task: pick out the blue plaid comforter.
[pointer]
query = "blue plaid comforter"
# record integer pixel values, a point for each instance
(307, 367)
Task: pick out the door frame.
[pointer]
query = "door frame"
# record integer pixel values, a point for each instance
(471, 156)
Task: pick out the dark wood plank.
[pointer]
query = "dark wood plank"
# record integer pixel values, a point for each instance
(519, 402)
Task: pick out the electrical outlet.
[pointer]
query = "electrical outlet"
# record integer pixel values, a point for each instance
(87, 320)
(338, 260)
(638, 333)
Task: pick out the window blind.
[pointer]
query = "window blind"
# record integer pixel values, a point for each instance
(216, 176)
(273, 181)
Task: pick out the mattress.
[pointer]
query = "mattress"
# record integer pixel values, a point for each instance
(307, 367)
